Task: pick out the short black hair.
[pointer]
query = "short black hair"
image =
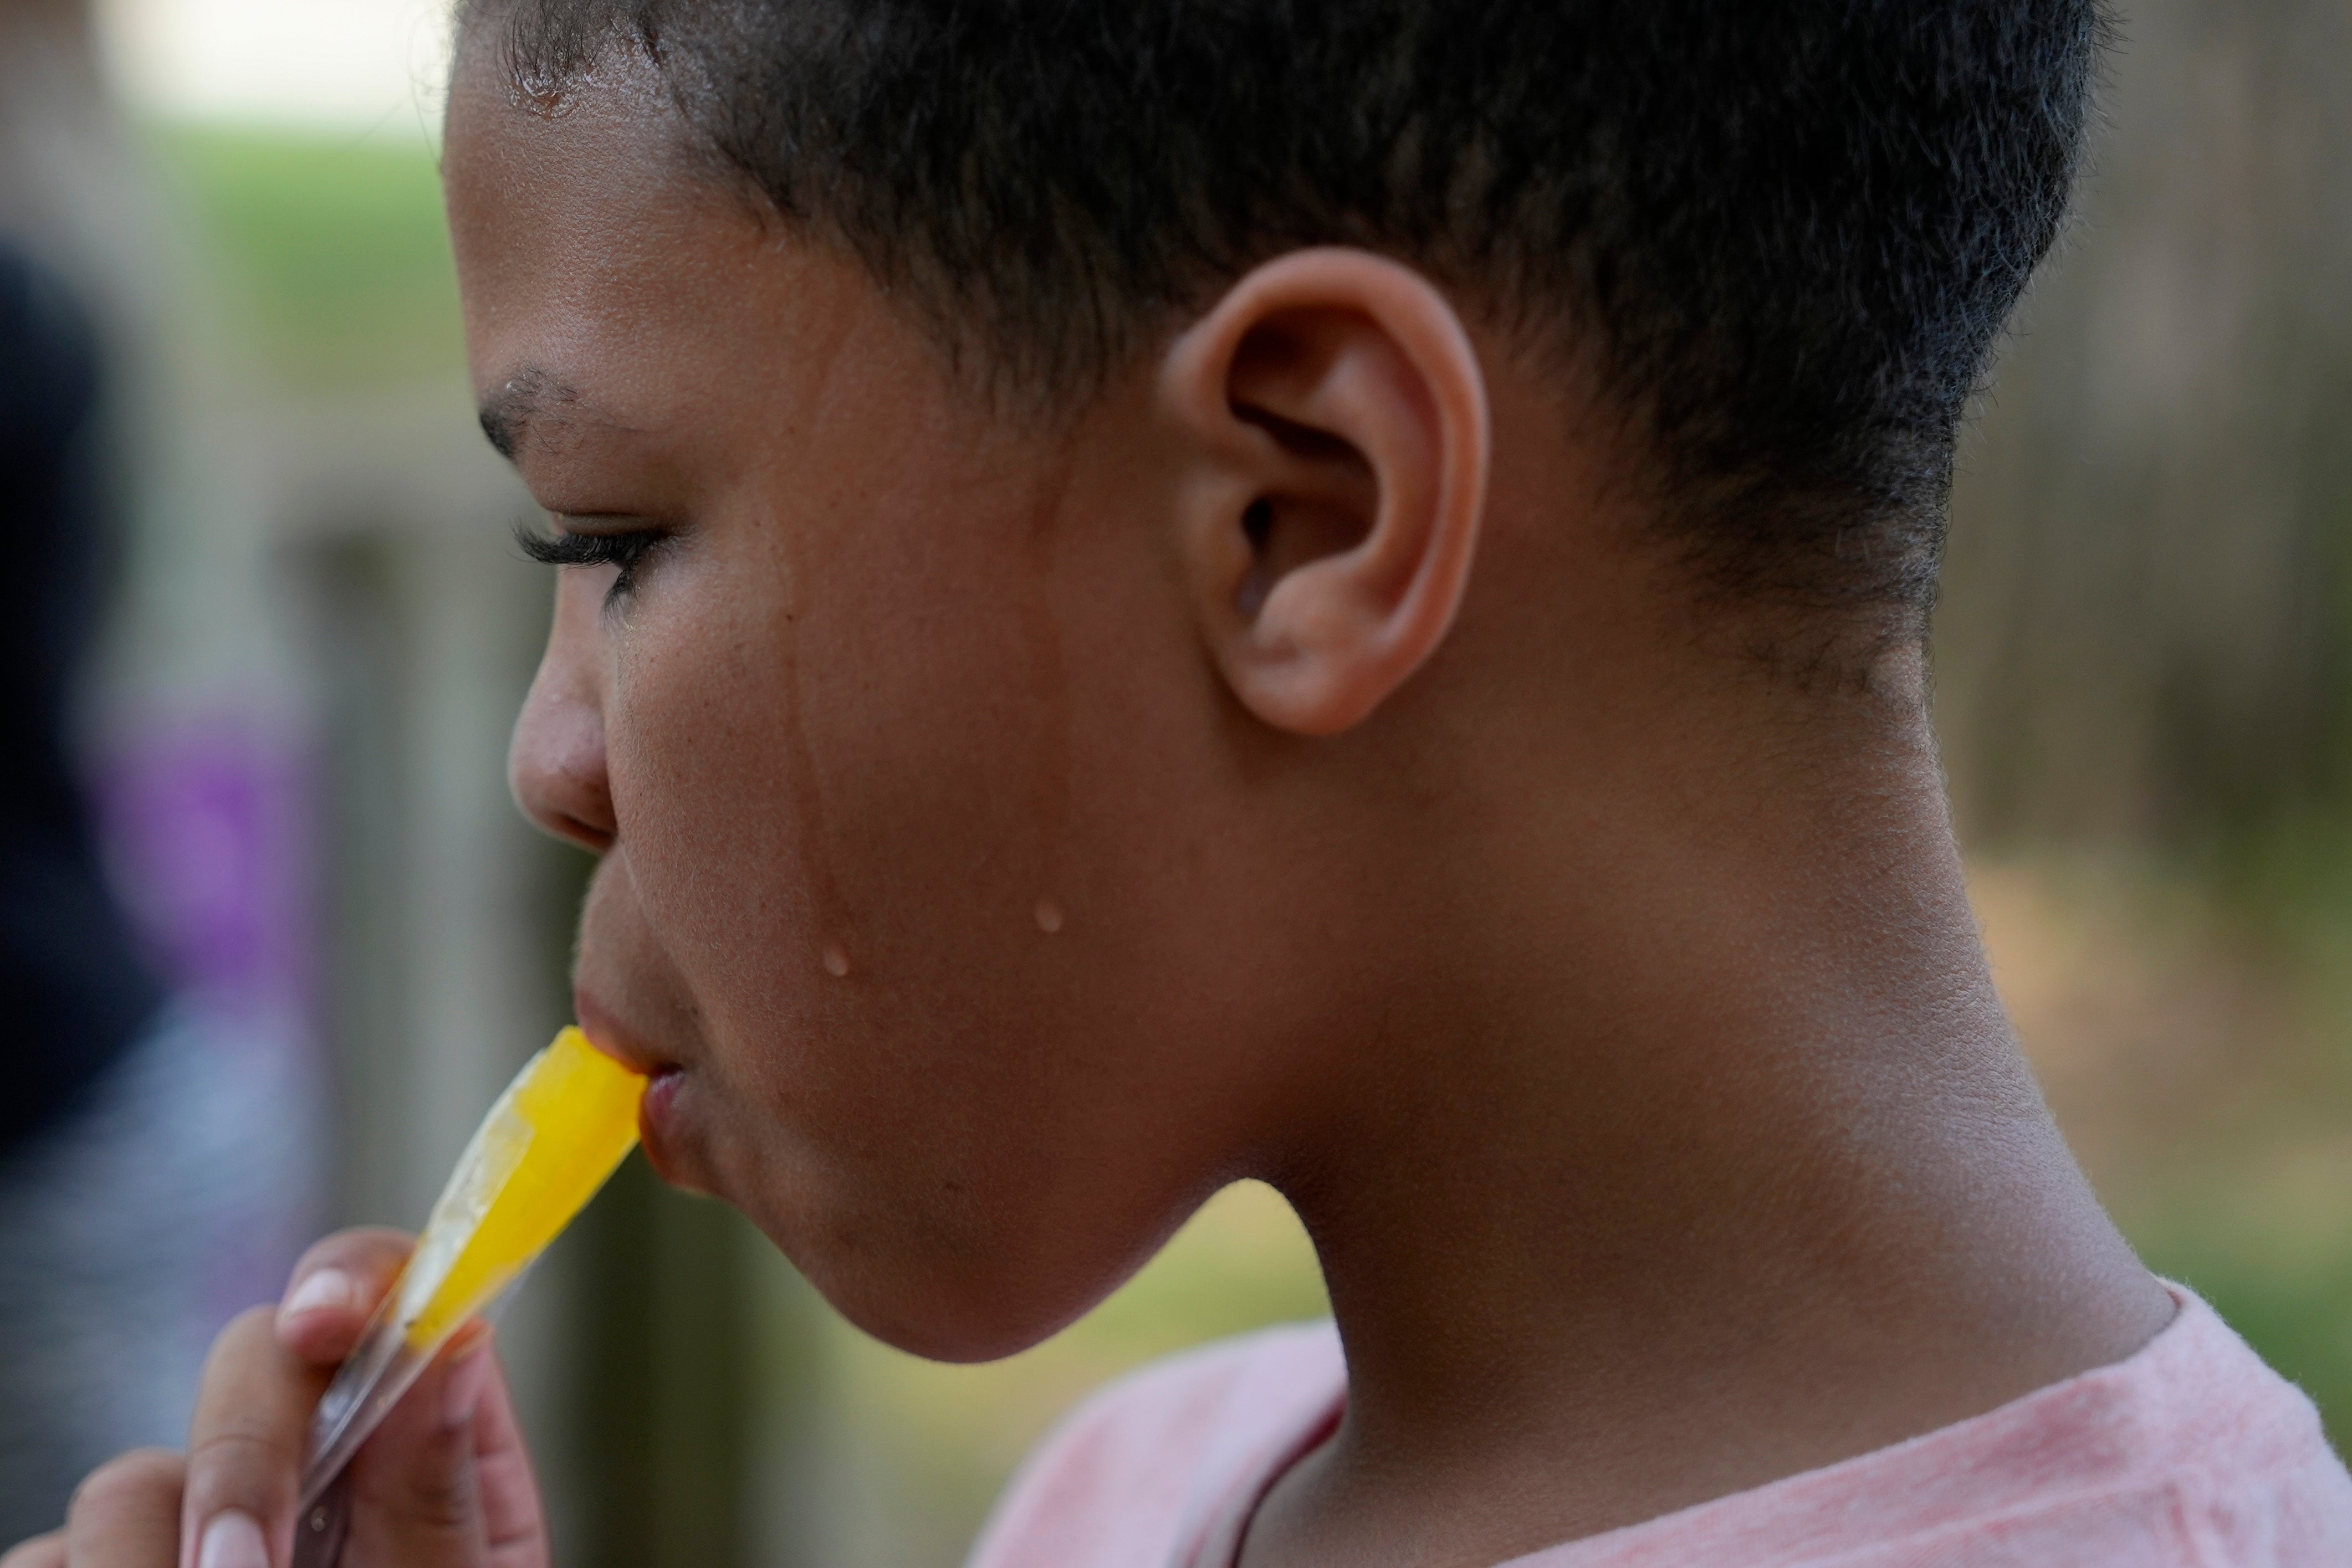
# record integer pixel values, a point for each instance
(1784, 234)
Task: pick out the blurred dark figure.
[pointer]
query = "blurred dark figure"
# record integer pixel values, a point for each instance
(76, 1001)
(157, 1124)
(73, 990)
(153, 1150)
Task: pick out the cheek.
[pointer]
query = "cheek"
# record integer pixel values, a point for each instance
(816, 815)
(919, 964)
(853, 851)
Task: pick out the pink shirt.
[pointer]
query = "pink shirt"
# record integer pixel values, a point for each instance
(2191, 1454)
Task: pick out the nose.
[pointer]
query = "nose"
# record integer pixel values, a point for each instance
(555, 763)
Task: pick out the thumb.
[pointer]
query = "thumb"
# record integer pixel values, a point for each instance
(417, 1486)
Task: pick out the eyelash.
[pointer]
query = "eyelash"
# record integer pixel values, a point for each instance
(624, 550)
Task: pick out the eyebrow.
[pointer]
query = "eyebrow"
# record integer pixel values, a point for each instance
(527, 397)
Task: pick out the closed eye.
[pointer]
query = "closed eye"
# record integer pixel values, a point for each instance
(626, 549)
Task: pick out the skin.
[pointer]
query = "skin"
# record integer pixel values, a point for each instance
(1299, 763)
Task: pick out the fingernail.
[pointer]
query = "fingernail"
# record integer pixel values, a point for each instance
(233, 1539)
(327, 1288)
(469, 1376)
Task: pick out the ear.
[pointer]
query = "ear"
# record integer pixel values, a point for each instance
(1340, 438)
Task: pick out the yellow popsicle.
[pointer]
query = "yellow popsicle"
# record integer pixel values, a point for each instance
(538, 1157)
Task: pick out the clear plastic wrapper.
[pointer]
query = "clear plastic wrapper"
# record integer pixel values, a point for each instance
(547, 1144)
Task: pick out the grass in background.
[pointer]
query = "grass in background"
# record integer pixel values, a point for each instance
(2270, 1248)
(2194, 1031)
(2264, 1228)
(332, 255)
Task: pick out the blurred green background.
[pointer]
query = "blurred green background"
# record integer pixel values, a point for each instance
(2142, 665)
(331, 251)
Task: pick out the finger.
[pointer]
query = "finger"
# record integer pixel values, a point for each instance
(126, 1514)
(416, 1492)
(513, 1522)
(41, 1551)
(334, 1289)
(245, 1447)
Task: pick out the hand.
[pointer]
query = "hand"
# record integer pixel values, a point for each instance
(444, 1483)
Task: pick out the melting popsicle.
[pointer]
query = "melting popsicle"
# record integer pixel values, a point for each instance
(539, 1154)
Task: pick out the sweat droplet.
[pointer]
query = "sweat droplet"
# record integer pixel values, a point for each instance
(837, 962)
(1049, 916)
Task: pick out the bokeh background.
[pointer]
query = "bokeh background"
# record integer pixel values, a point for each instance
(322, 629)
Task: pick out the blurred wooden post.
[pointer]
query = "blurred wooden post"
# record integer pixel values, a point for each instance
(2144, 633)
(663, 1398)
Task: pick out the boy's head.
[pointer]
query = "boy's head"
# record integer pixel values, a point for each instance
(1781, 236)
(1153, 553)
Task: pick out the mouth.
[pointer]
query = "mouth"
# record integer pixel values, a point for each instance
(607, 1035)
(658, 1112)
(657, 1118)
(617, 1040)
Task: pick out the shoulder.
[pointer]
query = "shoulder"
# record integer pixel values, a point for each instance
(1120, 1479)
(2256, 1476)
(2190, 1451)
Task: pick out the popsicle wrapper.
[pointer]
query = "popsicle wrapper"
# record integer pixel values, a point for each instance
(547, 1144)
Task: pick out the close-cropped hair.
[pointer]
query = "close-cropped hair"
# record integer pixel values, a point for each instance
(1781, 237)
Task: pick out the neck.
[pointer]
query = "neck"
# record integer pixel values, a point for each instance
(1753, 1179)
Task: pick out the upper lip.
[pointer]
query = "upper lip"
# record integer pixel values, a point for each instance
(609, 1035)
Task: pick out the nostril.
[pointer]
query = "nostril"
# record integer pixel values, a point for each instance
(556, 771)
(563, 805)
(596, 840)
(1257, 524)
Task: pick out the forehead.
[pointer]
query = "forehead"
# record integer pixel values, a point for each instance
(561, 202)
(607, 273)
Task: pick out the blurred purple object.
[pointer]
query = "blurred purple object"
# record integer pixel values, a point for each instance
(207, 826)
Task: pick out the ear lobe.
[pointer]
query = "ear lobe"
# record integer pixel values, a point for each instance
(1341, 438)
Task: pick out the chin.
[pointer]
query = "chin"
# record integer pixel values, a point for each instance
(911, 1299)
(958, 1338)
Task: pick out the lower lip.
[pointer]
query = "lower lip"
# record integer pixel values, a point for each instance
(655, 1114)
